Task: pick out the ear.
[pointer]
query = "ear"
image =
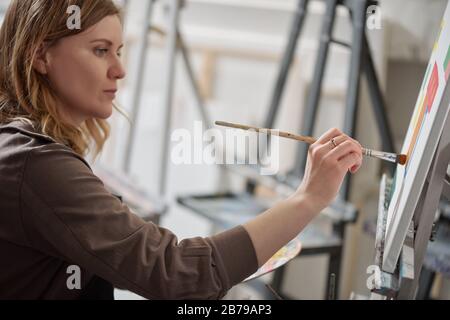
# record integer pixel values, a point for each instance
(40, 62)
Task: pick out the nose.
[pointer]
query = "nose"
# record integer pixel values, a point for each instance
(117, 71)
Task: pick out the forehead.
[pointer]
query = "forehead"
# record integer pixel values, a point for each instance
(109, 28)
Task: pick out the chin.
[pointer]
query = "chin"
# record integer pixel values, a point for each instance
(105, 112)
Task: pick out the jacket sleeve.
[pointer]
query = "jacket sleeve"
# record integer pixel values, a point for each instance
(69, 214)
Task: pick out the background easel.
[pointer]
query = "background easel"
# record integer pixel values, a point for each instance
(174, 45)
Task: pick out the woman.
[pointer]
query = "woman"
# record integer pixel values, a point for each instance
(56, 90)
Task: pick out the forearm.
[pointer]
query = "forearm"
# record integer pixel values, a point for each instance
(280, 224)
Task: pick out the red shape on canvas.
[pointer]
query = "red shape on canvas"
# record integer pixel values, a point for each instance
(432, 87)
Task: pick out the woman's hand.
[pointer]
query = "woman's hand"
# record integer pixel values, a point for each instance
(329, 159)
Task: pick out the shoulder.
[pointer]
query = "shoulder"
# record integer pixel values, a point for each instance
(20, 138)
(36, 158)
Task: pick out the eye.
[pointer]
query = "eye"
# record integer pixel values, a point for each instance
(101, 52)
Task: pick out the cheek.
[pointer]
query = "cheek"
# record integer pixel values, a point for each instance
(78, 83)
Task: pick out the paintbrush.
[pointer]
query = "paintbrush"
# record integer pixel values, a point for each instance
(387, 156)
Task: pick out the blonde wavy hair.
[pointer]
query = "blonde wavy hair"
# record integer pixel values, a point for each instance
(26, 94)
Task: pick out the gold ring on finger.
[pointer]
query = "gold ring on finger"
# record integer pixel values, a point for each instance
(333, 142)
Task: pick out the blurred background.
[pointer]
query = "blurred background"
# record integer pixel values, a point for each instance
(235, 50)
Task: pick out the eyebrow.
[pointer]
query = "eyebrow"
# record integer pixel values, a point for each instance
(106, 41)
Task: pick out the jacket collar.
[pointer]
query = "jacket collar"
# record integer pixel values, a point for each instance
(25, 128)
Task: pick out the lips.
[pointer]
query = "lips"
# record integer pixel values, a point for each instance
(111, 93)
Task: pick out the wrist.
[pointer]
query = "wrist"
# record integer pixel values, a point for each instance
(306, 203)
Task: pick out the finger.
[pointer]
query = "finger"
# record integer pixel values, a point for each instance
(356, 141)
(344, 149)
(319, 151)
(341, 139)
(355, 168)
(337, 141)
(350, 161)
(327, 136)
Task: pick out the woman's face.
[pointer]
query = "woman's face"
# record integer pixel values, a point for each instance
(83, 70)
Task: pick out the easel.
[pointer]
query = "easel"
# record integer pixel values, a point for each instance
(436, 264)
(403, 283)
(174, 43)
(424, 215)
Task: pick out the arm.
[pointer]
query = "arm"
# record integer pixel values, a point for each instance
(69, 215)
(325, 170)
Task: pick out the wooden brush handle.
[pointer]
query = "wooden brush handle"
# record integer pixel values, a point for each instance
(283, 134)
(391, 157)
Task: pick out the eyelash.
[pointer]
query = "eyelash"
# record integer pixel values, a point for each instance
(102, 51)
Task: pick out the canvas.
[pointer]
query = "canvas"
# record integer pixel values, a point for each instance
(419, 145)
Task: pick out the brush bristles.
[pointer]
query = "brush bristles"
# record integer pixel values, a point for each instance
(401, 159)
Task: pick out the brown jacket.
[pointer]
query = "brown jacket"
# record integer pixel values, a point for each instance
(54, 213)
